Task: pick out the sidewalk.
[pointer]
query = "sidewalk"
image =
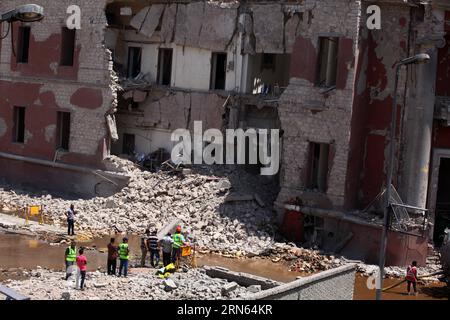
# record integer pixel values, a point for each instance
(16, 224)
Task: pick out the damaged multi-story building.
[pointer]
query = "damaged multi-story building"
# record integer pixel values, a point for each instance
(57, 98)
(138, 70)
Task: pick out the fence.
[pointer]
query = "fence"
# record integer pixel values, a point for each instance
(334, 284)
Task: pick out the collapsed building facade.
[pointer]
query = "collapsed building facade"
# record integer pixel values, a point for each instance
(57, 99)
(310, 68)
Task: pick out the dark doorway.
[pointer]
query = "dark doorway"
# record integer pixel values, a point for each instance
(19, 125)
(63, 131)
(134, 61)
(218, 71)
(318, 166)
(164, 67)
(128, 144)
(67, 46)
(23, 44)
(442, 214)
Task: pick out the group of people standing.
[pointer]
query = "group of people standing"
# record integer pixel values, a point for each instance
(169, 245)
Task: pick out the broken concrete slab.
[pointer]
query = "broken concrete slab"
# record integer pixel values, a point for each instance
(189, 23)
(241, 278)
(229, 287)
(169, 285)
(258, 200)
(147, 19)
(254, 288)
(269, 36)
(170, 227)
(291, 31)
(218, 27)
(167, 32)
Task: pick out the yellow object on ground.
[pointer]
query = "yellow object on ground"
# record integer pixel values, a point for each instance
(34, 211)
(185, 251)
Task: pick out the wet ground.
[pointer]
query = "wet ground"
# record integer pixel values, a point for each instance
(432, 291)
(18, 251)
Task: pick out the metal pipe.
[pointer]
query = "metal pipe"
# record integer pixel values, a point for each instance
(387, 207)
(419, 58)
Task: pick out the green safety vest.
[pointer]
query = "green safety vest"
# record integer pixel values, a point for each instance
(177, 240)
(72, 255)
(123, 251)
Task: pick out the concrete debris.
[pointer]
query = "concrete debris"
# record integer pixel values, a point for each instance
(158, 198)
(140, 285)
(303, 259)
(400, 272)
(147, 19)
(229, 287)
(269, 37)
(254, 288)
(212, 25)
(181, 109)
(169, 285)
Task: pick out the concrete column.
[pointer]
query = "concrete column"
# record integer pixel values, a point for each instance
(418, 130)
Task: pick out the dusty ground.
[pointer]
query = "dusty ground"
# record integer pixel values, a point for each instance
(141, 284)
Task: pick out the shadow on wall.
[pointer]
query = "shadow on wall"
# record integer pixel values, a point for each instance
(38, 180)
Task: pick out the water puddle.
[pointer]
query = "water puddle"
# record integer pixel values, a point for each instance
(19, 251)
(432, 291)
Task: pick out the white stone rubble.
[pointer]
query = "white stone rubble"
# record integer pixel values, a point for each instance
(140, 285)
(154, 199)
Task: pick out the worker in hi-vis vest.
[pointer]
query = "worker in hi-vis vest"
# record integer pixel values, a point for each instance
(124, 257)
(178, 242)
(70, 258)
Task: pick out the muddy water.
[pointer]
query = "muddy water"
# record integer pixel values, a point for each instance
(432, 291)
(18, 251)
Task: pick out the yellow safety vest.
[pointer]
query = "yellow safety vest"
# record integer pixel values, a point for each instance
(123, 251)
(72, 255)
(177, 240)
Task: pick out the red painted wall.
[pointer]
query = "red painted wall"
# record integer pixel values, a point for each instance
(41, 106)
(44, 57)
(443, 70)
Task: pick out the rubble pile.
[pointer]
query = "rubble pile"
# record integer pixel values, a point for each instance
(198, 199)
(400, 272)
(194, 284)
(302, 259)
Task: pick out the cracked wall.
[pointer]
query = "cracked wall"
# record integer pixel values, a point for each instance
(45, 87)
(165, 111)
(308, 114)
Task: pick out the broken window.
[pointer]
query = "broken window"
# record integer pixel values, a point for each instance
(63, 130)
(19, 125)
(218, 71)
(327, 69)
(23, 44)
(134, 61)
(128, 143)
(67, 46)
(164, 66)
(318, 166)
(268, 61)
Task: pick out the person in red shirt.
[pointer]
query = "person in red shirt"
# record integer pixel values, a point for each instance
(82, 266)
(411, 277)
